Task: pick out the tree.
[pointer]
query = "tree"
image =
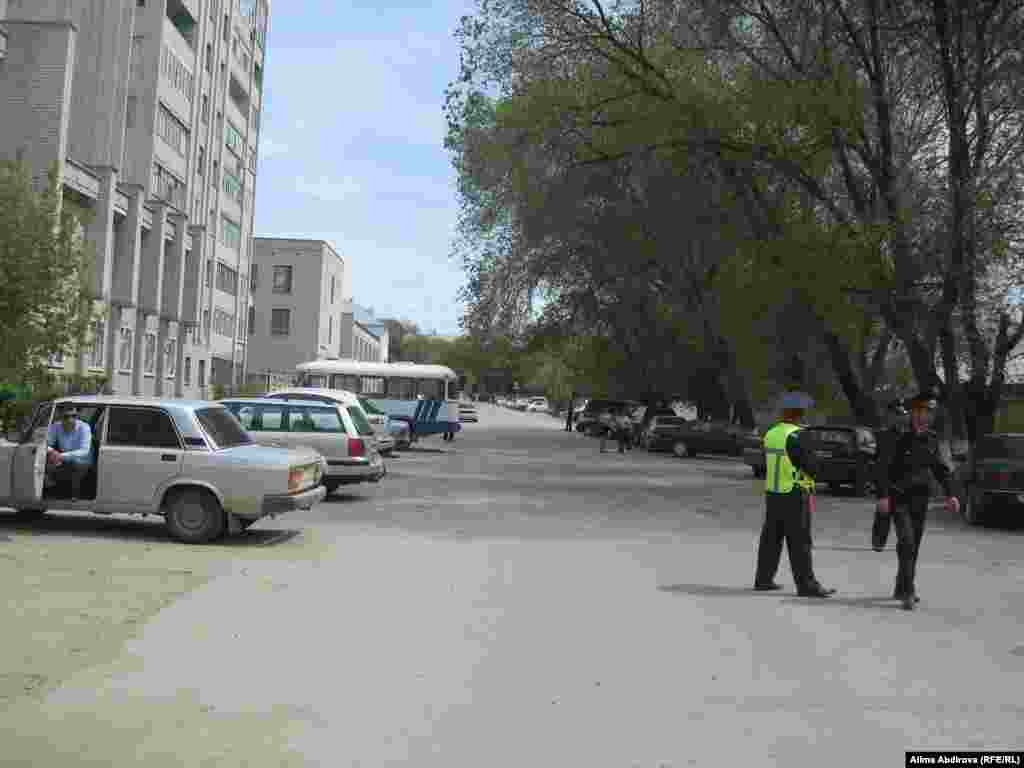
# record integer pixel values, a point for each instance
(45, 306)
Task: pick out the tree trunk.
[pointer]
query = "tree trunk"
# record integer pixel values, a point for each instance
(864, 409)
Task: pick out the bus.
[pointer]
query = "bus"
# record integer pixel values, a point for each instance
(423, 395)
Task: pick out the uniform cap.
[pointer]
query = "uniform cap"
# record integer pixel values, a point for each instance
(926, 397)
(796, 401)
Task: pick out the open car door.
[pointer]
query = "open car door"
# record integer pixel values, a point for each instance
(23, 464)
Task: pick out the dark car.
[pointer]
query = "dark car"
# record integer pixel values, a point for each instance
(591, 421)
(709, 437)
(753, 452)
(662, 432)
(846, 455)
(993, 479)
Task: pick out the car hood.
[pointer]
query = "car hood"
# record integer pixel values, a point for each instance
(269, 455)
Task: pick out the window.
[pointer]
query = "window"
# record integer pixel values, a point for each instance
(227, 279)
(253, 277)
(186, 373)
(233, 139)
(252, 320)
(143, 427)
(431, 389)
(330, 330)
(359, 419)
(174, 71)
(371, 385)
(205, 111)
(221, 426)
(307, 419)
(223, 323)
(282, 279)
(345, 381)
(149, 355)
(214, 180)
(227, 28)
(332, 289)
(206, 325)
(402, 389)
(200, 160)
(280, 322)
(201, 374)
(168, 187)
(171, 358)
(96, 356)
(126, 351)
(208, 63)
(230, 233)
(270, 418)
(232, 186)
(172, 130)
(140, 3)
(209, 273)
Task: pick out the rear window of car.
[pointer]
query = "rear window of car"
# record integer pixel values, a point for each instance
(222, 427)
(314, 419)
(1000, 448)
(359, 420)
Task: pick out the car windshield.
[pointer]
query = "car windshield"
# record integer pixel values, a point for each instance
(370, 408)
(1000, 448)
(359, 419)
(222, 427)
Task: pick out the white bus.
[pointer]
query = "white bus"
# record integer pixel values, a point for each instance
(423, 395)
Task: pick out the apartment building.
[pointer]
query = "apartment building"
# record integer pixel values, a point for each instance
(364, 336)
(150, 111)
(300, 289)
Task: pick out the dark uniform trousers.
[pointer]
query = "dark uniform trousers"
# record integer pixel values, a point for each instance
(909, 513)
(787, 517)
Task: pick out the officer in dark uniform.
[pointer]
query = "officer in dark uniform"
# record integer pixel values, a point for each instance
(908, 467)
(789, 484)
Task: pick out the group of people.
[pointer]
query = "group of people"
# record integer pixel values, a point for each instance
(909, 467)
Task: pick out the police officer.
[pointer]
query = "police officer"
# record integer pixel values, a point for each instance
(907, 469)
(789, 484)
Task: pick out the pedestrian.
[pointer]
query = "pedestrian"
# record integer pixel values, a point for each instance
(908, 468)
(623, 430)
(789, 487)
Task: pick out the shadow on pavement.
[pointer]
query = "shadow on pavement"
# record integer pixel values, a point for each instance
(715, 590)
(886, 603)
(130, 529)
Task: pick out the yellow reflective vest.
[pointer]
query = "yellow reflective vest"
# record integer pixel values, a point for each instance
(781, 476)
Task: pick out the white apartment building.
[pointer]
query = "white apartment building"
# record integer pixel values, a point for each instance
(300, 289)
(150, 110)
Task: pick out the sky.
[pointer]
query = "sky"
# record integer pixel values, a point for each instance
(351, 146)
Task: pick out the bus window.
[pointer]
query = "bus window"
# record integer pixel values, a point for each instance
(316, 380)
(432, 389)
(345, 381)
(402, 389)
(372, 385)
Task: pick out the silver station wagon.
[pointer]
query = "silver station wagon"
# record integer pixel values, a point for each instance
(339, 433)
(188, 460)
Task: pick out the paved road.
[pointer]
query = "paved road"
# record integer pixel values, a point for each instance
(516, 599)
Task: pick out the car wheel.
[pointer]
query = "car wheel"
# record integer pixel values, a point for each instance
(973, 508)
(245, 523)
(194, 516)
(331, 486)
(29, 514)
(680, 449)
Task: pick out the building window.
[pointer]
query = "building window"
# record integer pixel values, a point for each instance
(208, 280)
(99, 330)
(186, 373)
(201, 373)
(253, 277)
(171, 357)
(332, 289)
(127, 349)
(149, 356)
(233, 139)
(280, 322)
(172, 130)
(174, 71)
(223, 323)
(330, 330)
(206, 324)
(208, 64)
(205, 111)
(252, 320)
(230, 233)
(227, 279)
(168, 187)
(226, 29)
(232, 186)
(200, 160)
(282, 279)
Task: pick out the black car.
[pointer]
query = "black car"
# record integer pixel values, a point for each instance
(709, 437)
(993, 478)
(663, 432)
(846, 455)
(591, 422)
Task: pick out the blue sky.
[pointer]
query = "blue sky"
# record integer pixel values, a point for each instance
(351, 146)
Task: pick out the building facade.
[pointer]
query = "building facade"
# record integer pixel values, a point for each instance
(150, 112)
(300, 288)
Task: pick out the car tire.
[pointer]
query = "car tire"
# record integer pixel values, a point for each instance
(331, 486)
(245, 523)
(26, 514)
(973, 508)
(194, 516)
(680, 449)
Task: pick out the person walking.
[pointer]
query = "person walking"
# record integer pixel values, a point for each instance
(907, 470)
(789, 486)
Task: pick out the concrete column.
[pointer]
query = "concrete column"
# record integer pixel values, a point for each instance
(139, 342)
(100, 232)
(179, 368)
(151, 265)
(127, 254)
(162, 336)
(174, 270)
(113, 341)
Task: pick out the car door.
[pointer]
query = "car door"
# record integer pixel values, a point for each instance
(139, 454)
(23, 462)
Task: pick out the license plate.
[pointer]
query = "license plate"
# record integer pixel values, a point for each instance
(823, 454)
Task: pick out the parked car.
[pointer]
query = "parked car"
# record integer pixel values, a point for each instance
(187, 460)
(467, 413)
(538, 405)
(662, 433)
(347, 400)
(753, 452)
(993, 477)
(846, 455)
(590, 420)
(391, 433)
(709, 437)
(328, 428)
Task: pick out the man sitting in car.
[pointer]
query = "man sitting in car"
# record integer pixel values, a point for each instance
(69, 451)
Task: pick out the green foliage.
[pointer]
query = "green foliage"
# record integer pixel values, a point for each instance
(45, 306)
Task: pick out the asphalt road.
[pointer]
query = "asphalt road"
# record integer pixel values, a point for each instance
(510, 599)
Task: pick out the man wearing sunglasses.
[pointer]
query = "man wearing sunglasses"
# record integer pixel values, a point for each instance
(69, 451)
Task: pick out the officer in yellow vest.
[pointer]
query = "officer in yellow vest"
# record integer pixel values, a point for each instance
(789, 483)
